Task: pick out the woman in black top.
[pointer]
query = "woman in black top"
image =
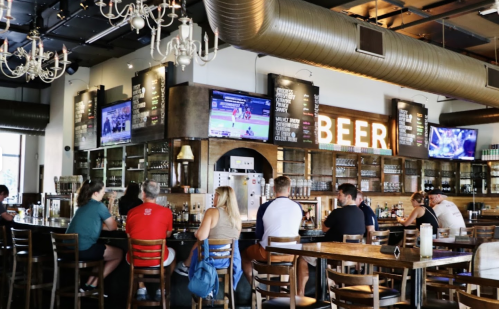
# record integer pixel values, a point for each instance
(421, 212)
(130, 199)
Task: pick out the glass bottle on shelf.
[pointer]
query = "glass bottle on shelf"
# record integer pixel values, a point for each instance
(186, 213)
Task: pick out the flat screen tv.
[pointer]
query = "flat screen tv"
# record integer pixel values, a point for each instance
(239, 116)
(116, 123)
(452, 143)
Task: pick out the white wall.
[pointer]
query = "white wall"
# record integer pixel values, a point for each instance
(234, 68)
(29, 165)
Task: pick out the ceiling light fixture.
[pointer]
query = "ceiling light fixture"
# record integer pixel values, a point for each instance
(130, 65)
(77, 79)
(183, 46)
(33, 66)
(63, 9)
(7, 16)
(139, 13)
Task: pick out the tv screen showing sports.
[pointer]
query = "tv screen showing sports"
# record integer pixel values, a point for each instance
(116, 124)
(452, 143)
(239, 116)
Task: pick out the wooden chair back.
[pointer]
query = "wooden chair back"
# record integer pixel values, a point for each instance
(410, 238)
(484, 231)
(66, 245)
(21, 241)
(140, 249)
(467, 231)
(349, 299)
(353, 238)
(473, 301)
(286, 288)
(378, 237)
(275, 239)
(443, 232)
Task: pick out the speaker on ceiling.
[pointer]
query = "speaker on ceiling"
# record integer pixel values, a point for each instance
(72, 68)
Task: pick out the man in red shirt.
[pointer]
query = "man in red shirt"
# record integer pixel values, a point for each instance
(147, 222)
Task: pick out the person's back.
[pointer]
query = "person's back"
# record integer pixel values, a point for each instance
(449, 216)
(346, 220)
(147, 222)
(429, 217)
(87, 223)
(126, 203)
(224, 229)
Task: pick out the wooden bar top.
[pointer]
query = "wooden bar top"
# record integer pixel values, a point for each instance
(408, 258)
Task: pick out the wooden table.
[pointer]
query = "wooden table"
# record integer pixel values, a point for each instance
(451, 242)
(370, 254)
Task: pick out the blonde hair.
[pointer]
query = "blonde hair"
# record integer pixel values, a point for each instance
(227, 197)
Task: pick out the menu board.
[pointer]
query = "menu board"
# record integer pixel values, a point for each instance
(149, 104)
(85, 118)
(412, 129)
(296, 111)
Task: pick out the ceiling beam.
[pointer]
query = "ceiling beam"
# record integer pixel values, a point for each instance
(465, 9)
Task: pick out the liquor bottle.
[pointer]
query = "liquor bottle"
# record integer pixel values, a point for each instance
(378, 211)
(186, 213)
(387, 211)
(394, 212)
(431, 186)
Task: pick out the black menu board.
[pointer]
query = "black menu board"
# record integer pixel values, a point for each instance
(411, 121)
(85, 118)
(149, 104)
(296, 111)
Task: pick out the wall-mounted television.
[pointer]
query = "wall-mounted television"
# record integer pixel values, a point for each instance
(452, 143)
(240, 116)
(116, 123)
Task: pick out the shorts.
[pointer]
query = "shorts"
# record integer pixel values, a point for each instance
(310, 260)
(167, 262)
(94, 253)
(257, 252)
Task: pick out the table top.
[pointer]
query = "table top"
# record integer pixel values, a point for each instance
(471, 243)
(408, 258)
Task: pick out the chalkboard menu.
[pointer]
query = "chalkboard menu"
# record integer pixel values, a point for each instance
(296, 111)
(85, 121)
(411, 120)
(149, 103)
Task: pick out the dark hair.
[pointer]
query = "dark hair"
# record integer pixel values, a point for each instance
(132, 190)
(4, 189)
(418, 197)
(87, 189)
(281, 184)
(348, 189)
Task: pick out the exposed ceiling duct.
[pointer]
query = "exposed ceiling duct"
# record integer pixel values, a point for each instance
(471, 117)
(21, 116)
(306, 33)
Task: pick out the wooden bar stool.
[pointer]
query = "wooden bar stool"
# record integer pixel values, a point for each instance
(66, 255)
(6, 254)
(486, 232)
(148, 250)
(224, 250)
(23, 253)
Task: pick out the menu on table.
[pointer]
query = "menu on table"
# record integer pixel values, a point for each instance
(296, 111)
(85, 121)
(149, 89)
(412, 129)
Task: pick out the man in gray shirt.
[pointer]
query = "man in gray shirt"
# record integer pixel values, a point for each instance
(4, 193)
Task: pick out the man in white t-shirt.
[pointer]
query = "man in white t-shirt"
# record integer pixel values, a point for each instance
(447, 212)
(280, 217)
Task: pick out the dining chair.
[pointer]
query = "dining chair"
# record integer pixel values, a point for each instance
(351, 238)
(477, 302)
(467, 231)
(443, 232)
(378, 237)
(484, 231)
(410, 238)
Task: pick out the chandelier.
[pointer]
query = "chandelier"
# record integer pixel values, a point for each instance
(7, 16)
(184, 48)
(138, 13)
(34, 61)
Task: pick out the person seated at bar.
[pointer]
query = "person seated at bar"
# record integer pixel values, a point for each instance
(280, 217)
(150, 221)
(89, 220)
(130, 199)
(369, 217)
(447, 212)
(421, 213)
(220, 222)
(4, 193)
(348, 219)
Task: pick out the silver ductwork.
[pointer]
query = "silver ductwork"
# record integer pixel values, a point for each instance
(300, 31)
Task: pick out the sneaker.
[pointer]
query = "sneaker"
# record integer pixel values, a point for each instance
(85, 288)
(210, 296)
(157, 297)
(181, 269)
(142, 294)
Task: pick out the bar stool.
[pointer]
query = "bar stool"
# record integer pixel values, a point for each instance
(23, 253)
(5, 253)
(224, 250)
(66, 255)
(148, 250)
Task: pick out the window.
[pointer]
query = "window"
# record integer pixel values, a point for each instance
(10, 145)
